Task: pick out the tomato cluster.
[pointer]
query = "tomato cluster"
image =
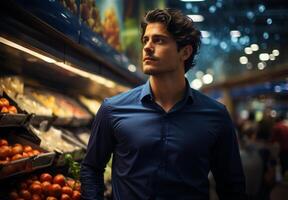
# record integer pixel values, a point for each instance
(5, 106)
(47, 187)
(14, 152)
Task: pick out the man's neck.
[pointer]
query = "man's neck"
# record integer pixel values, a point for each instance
(167, 90)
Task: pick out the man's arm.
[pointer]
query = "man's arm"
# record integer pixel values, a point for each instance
(100, 147)
(226, 164)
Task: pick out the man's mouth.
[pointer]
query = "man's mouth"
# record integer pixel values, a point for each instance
(148, 58)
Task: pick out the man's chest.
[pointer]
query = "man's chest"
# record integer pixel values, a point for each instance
(179, 133)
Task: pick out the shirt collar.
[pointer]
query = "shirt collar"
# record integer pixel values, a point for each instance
(147, 92)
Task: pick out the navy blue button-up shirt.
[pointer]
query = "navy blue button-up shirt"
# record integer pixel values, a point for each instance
(162, 155)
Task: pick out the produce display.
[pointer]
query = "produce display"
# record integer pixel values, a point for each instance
(60, 105)
(70, 5)
(93, 105)
(12, 85)
(90, 15)
(21, 154)
(46, 186)
(72, 106)
(10, 152)
(28, 104)
(5, 106)
(111, 30)
(49, 101)
(53, 140)
(84, 137)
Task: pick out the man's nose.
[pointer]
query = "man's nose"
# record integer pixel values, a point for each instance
(148, 47)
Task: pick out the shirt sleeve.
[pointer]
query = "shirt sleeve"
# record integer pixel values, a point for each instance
(100, 147)
(226, 164)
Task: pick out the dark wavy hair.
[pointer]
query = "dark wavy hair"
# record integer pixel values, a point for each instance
(180, 26)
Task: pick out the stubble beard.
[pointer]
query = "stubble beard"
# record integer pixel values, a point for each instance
(154, 71)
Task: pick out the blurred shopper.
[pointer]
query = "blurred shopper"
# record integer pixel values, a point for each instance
(165, 137)
(249, 128)
(265, 126)
(251, 160)
(280, 136)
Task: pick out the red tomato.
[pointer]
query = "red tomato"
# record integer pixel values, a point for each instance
(3, 142)
(12, 109)
(35, 188)
(59, 179)
(27, 148)
(65, 197)
(5, 151)
(16, 157)
(46, 187)
(25, 155)
(4, 102)
(36, 197)
(76, 195)
(30, 153)
(17, 149)
(55, 190)
(46, 177)
(4, 110)
(67, 190)
(70, 182)
(25, 194)
(77, 186)
(51, 198)
(36, 152)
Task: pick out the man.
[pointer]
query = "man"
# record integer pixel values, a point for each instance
(165, 137)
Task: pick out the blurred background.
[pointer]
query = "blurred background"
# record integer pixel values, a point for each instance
(60, 58)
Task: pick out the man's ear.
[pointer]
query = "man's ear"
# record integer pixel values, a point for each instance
(186, 52)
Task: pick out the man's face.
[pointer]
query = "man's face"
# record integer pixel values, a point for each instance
(160, 54)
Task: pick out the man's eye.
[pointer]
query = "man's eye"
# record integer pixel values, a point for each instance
(159, 40)
(144, 41)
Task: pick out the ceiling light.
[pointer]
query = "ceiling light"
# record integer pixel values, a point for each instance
(250, 15)
(235, 33)
(132, 68)
(276, 52)
(205, 34)
(261, 8)
(196, 84)
(248, 50)
(266, 35)
(212, 9)
(199, 74)
(272, 57)
(219, 4)
(261, 65)
(264, 56)
(207, 79)
(196, 18)
(189, 6)
(269, 21)
(223, 45)
(243, 60)
(277, 88)
(254, 47)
